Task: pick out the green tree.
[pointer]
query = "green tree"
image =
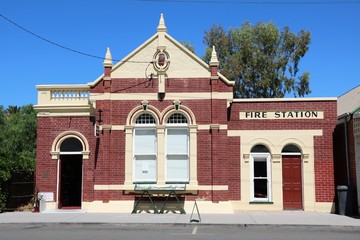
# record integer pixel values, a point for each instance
(17, 143)
(262, 60)
(188, 45)
(11, 110)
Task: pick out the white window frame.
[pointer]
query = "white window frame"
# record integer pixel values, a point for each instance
(186, 179)
(267, 157)
(144, 127)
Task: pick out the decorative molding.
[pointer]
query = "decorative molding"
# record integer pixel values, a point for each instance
(246, 157)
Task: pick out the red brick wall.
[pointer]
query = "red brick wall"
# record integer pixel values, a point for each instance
(218, 155)
(46, 168)
(324, 164)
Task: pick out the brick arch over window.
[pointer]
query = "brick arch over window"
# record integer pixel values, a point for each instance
(137, 111)
(55, 148)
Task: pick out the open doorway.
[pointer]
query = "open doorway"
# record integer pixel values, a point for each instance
(70, 174)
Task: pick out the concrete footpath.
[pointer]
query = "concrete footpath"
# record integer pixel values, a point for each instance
(238, 218)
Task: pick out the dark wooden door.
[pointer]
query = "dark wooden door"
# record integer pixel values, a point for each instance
(292, 182)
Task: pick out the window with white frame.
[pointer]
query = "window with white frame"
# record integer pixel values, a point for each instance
(145, 148)
(177, 149)
(260, 174)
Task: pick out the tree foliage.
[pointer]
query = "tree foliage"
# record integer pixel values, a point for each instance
(17, 142)
(262, 60)
(188, 45)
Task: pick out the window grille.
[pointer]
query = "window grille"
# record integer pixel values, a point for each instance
(145, 119)
(177, 118)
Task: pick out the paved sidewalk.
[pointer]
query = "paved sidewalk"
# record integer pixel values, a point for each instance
(239, 218)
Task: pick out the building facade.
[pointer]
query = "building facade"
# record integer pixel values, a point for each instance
(162, 117)
(347, 148)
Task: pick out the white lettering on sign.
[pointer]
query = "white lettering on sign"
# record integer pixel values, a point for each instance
(253, 115)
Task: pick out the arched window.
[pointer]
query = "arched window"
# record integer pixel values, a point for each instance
(177, 148)
(145, 149)
(145, 119)
(259, 149)
(260, 167)
(290, 149)
(71, 144)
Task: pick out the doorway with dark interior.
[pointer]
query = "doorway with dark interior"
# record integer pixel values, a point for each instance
(70, 181)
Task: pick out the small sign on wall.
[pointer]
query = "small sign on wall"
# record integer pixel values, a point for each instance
(47, 196)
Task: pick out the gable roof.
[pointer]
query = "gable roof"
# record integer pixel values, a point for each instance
(138, 64)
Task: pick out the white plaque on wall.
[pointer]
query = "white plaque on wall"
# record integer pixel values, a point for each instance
(48, 196)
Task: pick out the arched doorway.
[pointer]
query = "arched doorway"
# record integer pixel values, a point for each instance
(70, 174)
(292, 178)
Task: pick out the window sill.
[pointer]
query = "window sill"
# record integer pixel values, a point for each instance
(261, 202)
(177, 182)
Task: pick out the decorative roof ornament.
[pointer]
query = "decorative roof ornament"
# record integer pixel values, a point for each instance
(108, 59)
(161, 60)
(214, 60)
(161, 27)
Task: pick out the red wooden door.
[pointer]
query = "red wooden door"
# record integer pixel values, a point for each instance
(292, 182)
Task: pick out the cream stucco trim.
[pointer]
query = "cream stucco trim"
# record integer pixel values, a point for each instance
(46, 113)
(160, 129)
(189, 187)
(168, 111)
(208, 126)
(127, 58)
(154, 97)
(137, 111)
(55, 147)
(275, 140)
(128, 154)
(328, 207)
(122, 127)
(160, 154)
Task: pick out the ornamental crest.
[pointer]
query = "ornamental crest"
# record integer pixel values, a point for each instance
(161, 60)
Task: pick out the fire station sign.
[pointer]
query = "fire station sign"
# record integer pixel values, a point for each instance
(263, 115)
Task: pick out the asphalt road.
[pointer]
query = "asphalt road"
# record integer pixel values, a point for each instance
(172, 232)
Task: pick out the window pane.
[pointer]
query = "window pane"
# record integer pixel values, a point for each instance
(71, 145)
(145, 141)
(260, 169)
(291, 149)
(177, 141)
(177, 168)
(177, 118)
(145, 119)
(145, 168)
(260, 149)
(260, 188)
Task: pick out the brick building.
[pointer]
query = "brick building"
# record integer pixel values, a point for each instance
(347, 147)
(163, 118)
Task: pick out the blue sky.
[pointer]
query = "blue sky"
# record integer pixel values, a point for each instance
(93, 25)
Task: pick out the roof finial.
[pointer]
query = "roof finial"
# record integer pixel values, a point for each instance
(161, 27)
(108, 59)
(214, 60)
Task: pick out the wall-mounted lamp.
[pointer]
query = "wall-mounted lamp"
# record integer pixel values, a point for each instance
(99, 120)
(145, 104)
(177, 104)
